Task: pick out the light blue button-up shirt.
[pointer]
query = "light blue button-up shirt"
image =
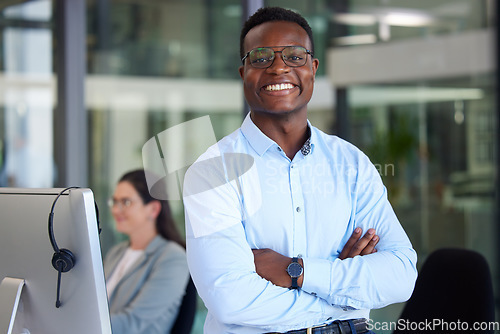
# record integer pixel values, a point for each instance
(244, 193)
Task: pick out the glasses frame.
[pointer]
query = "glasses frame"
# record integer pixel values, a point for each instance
(274, 55)
(123, 203)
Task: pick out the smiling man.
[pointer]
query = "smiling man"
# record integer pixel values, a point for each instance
(275, 228)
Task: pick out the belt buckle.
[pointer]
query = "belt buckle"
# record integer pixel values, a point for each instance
(309, 330)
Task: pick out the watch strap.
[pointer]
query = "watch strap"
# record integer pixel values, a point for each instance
(294, 278)
(294, 283)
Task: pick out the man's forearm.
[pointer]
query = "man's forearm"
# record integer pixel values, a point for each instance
(272, 265)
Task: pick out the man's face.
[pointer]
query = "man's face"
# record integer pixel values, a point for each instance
(278, 89)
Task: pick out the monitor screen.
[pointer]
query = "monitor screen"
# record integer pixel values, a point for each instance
(26, 253)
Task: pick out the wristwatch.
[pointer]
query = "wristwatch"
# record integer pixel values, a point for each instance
(294, 269)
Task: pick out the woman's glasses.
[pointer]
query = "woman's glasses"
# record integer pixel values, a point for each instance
(293, 56)
(120, 203)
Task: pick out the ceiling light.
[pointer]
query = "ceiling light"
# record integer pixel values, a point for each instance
(355, 19)
(394, 95)
(355, 40)
(402, 19)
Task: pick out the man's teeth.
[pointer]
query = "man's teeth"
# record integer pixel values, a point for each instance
(282, 86)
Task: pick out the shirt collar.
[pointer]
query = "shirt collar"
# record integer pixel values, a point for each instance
(261, 143)
(308, 146)
(257, 139)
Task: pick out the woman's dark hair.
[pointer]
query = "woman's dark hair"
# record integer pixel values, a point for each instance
(267, 14)
(165, 224)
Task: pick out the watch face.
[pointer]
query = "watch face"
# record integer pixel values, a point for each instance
(294, 269)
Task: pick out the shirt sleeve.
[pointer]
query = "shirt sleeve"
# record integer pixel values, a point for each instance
(371, 281)
(222, 265)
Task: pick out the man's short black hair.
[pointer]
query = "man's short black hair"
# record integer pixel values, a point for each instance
(267, 14)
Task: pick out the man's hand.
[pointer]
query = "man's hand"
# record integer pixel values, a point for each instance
(357, 245)
(272, 266)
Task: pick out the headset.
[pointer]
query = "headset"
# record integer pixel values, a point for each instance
(63, 259)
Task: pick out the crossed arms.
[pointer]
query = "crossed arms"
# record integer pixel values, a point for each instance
(272, 265)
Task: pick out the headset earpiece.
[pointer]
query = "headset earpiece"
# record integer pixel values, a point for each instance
(64, 260)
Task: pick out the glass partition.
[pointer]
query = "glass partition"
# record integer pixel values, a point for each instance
(26, 95)
(434, 146)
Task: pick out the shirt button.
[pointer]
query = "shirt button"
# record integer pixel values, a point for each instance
(279, 149)
(298, 209)
(314, 294)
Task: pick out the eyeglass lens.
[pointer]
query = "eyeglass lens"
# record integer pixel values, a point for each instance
(121, 203)
(293, 56)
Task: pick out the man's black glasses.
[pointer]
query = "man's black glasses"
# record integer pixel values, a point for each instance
(293, 56)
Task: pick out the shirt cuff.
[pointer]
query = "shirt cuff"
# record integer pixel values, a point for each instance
(317, 277)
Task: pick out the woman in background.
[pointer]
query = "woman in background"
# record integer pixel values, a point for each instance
(146, 276)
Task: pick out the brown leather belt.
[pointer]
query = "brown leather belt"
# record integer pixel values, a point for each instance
(358, 326)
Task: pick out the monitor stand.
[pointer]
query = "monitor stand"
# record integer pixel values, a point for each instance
(10, 294)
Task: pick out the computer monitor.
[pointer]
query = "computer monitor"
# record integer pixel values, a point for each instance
(26, 253)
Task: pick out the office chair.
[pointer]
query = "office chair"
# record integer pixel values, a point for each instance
(454, 286)
(185, 318)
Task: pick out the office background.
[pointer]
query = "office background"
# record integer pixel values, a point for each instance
(85, 84)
